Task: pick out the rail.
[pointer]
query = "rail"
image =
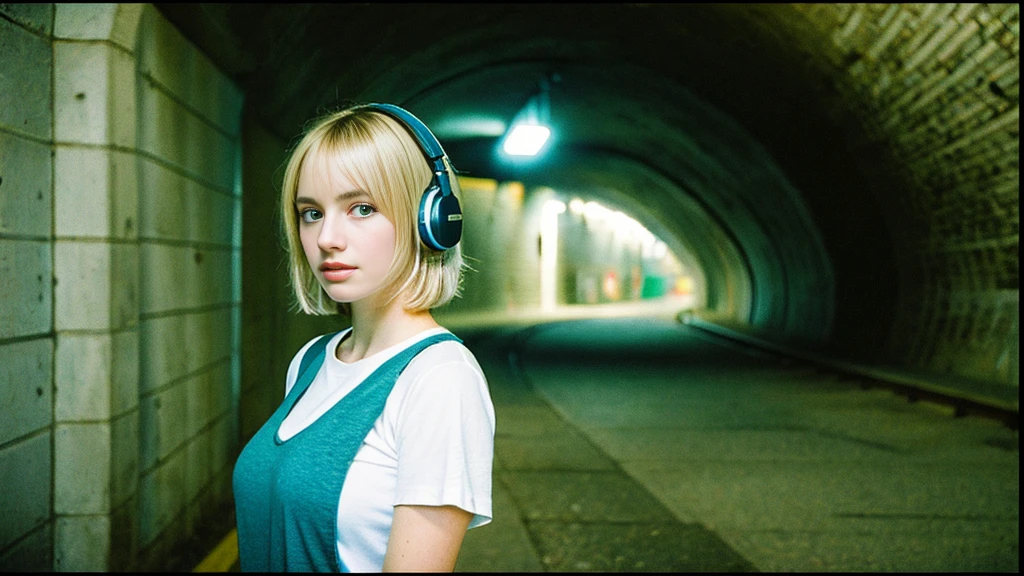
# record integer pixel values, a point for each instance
(966, 397)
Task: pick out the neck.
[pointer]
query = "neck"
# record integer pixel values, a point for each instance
(376, 327)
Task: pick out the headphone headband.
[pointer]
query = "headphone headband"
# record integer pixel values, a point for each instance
(429, 144)
(440, 217)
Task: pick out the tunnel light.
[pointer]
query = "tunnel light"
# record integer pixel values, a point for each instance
(554, 207)
(526, 139)
(655, 249)
(531, 125)
(594, 211)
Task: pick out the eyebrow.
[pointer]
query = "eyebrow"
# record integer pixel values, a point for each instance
(340, 197)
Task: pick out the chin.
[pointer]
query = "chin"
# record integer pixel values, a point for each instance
(347, 293)
(342, 298)
(346, 296)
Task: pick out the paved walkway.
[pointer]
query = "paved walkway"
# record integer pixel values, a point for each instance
(642, 445)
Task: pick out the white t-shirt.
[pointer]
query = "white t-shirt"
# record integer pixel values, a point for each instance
(433, 445)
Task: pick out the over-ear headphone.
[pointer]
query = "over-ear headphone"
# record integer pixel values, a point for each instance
(440, 217)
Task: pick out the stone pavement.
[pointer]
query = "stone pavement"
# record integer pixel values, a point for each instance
(642, 445)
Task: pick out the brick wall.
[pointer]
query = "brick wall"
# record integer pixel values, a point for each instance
(939, 84)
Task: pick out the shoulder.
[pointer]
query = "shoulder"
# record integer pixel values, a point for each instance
(445, 373)
(442, 399)
(444, 362)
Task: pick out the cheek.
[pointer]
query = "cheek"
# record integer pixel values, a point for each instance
(392, 243)
(384, 241)
(389, 245)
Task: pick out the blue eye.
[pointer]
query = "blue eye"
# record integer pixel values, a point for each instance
(363, 210)
(310, 215)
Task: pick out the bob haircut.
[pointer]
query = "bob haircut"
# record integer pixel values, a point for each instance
(379, 155)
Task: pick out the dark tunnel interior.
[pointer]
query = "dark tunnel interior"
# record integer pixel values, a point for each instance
(782, 177)
(753, 305)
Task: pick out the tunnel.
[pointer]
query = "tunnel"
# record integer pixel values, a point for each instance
(741, 197)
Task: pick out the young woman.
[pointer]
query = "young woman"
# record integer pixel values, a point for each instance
(380, 456)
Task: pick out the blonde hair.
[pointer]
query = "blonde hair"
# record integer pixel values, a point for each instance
(380, 156)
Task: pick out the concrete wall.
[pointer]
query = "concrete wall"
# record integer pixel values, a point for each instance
(26, 288)
(190, 291)
(120, 242)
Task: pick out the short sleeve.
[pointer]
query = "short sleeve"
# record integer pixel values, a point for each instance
(445, 441)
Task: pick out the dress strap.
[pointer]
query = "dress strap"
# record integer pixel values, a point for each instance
(314, 356)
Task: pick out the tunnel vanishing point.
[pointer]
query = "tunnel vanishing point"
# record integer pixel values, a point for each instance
(840, 178)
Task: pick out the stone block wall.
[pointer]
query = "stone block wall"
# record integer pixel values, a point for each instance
(95, 273)
(120, 247)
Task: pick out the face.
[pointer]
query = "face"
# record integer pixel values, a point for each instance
(348, 243)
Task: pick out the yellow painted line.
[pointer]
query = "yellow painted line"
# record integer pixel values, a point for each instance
(223, 557)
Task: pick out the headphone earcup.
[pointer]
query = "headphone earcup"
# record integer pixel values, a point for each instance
(440, 219)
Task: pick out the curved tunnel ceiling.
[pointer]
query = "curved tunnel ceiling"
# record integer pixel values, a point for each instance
(617, 124)
(718, 101)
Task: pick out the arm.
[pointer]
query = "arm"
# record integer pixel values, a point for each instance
(425, 538)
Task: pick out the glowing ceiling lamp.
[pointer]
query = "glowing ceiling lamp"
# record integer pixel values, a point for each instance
(526, 139)
(530, 130)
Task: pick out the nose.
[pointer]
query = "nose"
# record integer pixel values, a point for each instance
(331, 237)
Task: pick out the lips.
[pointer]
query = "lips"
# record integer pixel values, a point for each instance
(336, 271)
(335, 266)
